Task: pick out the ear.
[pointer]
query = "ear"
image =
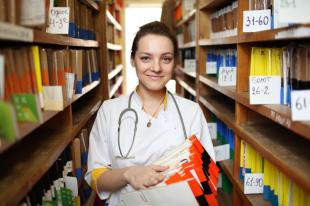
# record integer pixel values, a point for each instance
(132, 63)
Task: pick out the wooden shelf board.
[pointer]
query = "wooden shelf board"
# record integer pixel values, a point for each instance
(224, 198)
(85, 90)
(191, 44)
(290, 155)
(270, 35)
(24, 166)
(115, 47)
(92, 4)
(214, 4)
(113, 21)
(116, 86)
(281, 114)
(220, 109)
(190, 74)
(210, 81)
(114, 72)
(186, 86)
(46, 38)
(186, 18)
(218, 41)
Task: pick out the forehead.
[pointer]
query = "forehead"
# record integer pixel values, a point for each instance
(153, 43)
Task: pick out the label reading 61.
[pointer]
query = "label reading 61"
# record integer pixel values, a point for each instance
(300, 105)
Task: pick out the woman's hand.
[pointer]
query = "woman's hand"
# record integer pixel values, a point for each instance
(141, 177)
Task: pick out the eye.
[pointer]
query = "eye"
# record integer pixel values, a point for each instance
(167, 60)
(145, 58)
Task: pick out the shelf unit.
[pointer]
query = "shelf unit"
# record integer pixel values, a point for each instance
(39, 145)
(269, 129)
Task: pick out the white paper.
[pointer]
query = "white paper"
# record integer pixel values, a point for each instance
(58, 20)
(53, 98)
(265, 89)
(70, 84)
(222, 152)
(2, 77)
(253, 183)
(32, 12)
(211, 68)
(13, 32)
(300, 105)
(294, 11)
(190, 65)
(256, 20)
(175, 194)
(213, 130)
(220, 181)
(72, 184)
(227, 76)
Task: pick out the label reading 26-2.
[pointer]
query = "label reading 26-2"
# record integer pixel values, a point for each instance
(256, 20)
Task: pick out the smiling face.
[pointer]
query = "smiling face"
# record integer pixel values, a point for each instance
(154, 61)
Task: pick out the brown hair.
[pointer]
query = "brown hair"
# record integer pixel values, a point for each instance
(157, 28)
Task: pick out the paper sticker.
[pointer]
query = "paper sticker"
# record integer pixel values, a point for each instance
(53, 98)
(253, 183)
(32, 13)
(212, 130)
(294, 11)
(227, 76)
(222, 152)
(256, 20)
(72, 184)
(70, 84)
(300, 105)
(58, 20)
(211, 68)
(265, 89)
(2, 77)
(13, 32)
(190, 65)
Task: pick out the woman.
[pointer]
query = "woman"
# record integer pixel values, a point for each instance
(120, 155)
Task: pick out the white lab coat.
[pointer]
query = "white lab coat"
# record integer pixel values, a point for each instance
(150, 143)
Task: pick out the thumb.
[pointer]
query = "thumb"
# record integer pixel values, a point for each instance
(159, 168)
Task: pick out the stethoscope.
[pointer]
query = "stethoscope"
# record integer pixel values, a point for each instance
(129, 109)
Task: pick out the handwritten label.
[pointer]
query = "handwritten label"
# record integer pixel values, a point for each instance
(190, 65)
(253, 183)
(227, 76)
(1, 76)
(280, 119)
(256, 20)
(222, 152)
(211, 67)
(265, 89)
(294, 11)
(300, 105)
(13, 32)
(212, 130)
(58, 20)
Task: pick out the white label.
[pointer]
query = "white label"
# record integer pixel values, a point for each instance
(211, 67)
(2, 77)
(227, 76)
(70, 84)
(256, 20)
(13, 32)
(53, 98)
(58, 20)
(212, 130)
(253, 183)
(32, 12)
(72, 184)
(265, 89)
(300, 105)
(222, 152)
(190, 65)
(294, 11)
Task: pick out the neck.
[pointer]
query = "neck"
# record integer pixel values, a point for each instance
(149, 96)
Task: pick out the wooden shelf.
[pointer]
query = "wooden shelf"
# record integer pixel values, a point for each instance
(186, 18)
(223, 111)
(25, 128)
(22, 167)
(271, 35)
(288, 152)
(190, 74)
(113, 21)
(186, 86)
(191, 44)
(281, 114)
(114, 72)
(218, 41)
(115, 47)
(211, 81)
(214, 4)
(92, 4)
(224, 198)
(116, 86)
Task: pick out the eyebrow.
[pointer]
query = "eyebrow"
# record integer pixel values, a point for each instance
(146, 53)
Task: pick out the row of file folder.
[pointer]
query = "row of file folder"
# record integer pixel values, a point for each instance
(225, 135)
(217, 58)
(278, 188)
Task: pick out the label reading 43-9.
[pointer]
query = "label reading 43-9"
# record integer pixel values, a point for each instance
(256, 20)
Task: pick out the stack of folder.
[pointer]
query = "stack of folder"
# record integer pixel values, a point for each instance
(225, 135)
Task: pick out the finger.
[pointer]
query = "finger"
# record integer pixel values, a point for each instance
(159, 168)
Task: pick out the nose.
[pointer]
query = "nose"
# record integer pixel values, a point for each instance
(156, 67)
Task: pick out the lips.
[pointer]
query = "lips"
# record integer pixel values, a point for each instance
(154, 77)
